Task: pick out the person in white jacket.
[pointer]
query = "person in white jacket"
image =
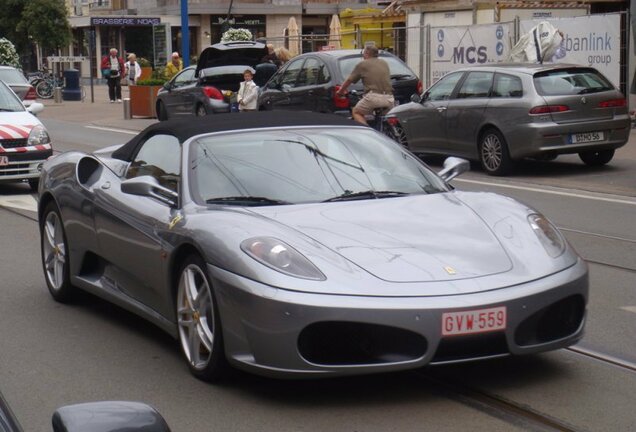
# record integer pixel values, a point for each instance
(133, 69)
(248, 92)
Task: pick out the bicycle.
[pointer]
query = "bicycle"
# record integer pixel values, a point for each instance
(45, 86)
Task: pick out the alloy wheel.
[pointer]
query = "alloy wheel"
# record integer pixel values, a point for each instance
(54, 251)
(491, 152)
(196, 320)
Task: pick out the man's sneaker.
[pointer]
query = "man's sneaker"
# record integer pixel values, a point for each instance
(118, 100)
(112, 101)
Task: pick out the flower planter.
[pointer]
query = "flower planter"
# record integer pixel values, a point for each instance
(143, 100)
(146, 72)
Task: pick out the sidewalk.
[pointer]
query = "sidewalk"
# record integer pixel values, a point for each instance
(98, 113)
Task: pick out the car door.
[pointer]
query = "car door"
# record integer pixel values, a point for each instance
(280, 90)
(426, 127)
(465, 113)
(311, 92)
(127, 225)
(179, 99)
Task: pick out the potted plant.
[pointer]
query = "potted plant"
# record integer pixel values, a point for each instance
(146, 68)
(143, 95)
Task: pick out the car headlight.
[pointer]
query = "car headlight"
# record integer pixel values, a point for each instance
(281, 257)
(548, 234)
(38, 136)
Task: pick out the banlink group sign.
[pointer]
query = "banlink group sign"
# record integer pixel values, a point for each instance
(592, 40)
(453, 48)
(124, 21)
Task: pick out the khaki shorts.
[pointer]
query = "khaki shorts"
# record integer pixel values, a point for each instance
(371, 101)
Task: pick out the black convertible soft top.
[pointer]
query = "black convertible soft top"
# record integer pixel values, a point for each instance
(184, 129)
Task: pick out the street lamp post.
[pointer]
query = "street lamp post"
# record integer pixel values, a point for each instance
(185, 34)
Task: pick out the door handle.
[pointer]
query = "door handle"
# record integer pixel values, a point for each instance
(441, 109)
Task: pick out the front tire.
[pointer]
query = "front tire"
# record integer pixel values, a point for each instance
(596, 158)
(200, 111)
(493, 153)
(55, 261)
(199, 323)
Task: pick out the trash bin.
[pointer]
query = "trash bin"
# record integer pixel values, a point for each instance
(72, 90)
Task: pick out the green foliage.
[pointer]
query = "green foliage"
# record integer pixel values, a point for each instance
(151, 82)
(144, 62)
(8, 54)
(46, 22)
(156, 79)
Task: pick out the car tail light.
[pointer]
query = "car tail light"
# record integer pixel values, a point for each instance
(31, 94)
(547, 109)
(420, 87)
(340, 101)
(613, 103)
(213, 93)
(393, 121)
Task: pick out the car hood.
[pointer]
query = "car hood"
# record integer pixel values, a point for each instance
(409, 239)
(16, 125)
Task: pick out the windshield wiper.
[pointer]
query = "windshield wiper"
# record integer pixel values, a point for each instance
(7, 110)
(593, 90)
(246, 200)
(401, 76)
(348, 195)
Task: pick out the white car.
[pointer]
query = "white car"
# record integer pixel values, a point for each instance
(24, 141)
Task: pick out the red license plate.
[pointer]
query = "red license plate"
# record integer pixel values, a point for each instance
(474, 321)
(4, 160)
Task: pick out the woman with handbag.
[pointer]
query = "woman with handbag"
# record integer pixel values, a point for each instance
(112, 69)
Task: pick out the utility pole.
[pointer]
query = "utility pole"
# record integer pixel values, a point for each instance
(185, 34)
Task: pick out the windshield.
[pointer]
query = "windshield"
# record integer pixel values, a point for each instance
(304, 165)
(8, 100)
(12, 76)
(398, 69)
(574, 81)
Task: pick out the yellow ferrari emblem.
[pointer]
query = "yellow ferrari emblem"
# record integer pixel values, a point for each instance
(175, 220)
(450, 270)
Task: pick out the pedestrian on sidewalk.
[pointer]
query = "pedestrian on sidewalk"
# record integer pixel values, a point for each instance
(112, 69)
(133, 70)
(174, 66)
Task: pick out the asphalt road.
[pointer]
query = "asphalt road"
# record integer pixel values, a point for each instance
(52, 354)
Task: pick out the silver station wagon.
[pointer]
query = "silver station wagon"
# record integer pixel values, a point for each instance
(502, 113)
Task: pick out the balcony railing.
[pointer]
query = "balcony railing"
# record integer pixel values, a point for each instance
(107, 5)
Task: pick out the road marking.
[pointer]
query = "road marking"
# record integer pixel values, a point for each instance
(22, 202)
(123, 131)
(551, 192)
(629, 308)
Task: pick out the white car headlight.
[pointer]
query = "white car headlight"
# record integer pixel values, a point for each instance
(281, 257)
(38, 136)
(548, 234)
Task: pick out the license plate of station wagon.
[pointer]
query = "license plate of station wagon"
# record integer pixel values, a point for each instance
(4, 161)
(473, 321)
(586, 137)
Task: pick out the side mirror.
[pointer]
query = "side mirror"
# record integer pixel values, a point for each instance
(286, 88)
(148, 186)
(112, 416)
(167, 85)
(453, 166)
(35, 108)
(416, 98)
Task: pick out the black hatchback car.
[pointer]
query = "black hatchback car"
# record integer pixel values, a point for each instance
(310, 82)
(210, 87)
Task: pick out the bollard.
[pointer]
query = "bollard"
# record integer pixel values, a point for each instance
(57, 94)
(127, 114)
